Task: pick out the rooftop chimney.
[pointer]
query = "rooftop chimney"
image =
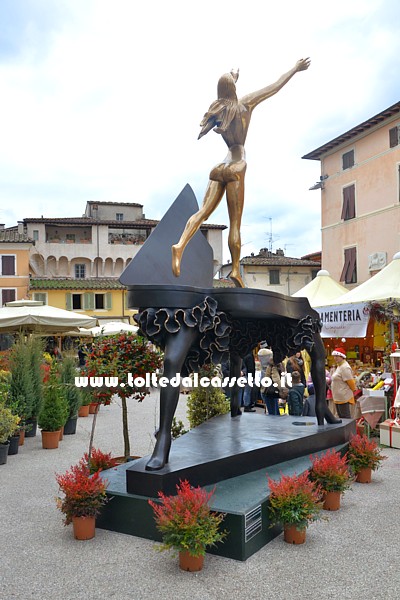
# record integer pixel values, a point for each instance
(2, 225)
(20, 227)
(280, 252)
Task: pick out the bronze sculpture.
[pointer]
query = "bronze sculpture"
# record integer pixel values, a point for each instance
(194, 323)
(231, 118)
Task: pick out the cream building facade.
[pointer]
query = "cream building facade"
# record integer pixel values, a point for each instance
(275, 271)
(360, 198)
(101, 243)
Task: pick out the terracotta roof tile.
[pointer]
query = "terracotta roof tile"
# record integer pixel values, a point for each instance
(12, 236)
(116, 203)
(84, 221)
(95, 283)
(278, 261)
(349, 135)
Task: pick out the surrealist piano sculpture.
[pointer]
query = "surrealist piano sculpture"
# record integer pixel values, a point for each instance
(196, 324)
(169, 281)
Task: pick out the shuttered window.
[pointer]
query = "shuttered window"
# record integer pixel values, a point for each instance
(40, 297)
(349, 203)
(349, 273)
(348, 160)
(274, 276)
(394, 135)
(7, 296)
(7, 265)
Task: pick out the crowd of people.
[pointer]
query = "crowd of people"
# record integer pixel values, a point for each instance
(298, 399)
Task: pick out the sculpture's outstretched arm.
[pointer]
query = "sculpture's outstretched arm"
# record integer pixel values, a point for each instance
(251, 100)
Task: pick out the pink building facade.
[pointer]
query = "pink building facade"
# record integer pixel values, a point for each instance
(360, 198)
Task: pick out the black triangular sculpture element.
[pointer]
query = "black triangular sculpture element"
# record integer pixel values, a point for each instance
(152, 264)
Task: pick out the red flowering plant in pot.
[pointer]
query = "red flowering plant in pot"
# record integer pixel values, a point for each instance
(99, 461)
(187, 524)
(364, 456)
(84, 495)
(330, 470)
(294, 502)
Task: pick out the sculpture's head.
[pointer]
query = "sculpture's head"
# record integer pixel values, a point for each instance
(227, 85)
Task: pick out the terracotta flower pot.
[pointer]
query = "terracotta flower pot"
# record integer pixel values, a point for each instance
(93, 407)
(364, 475)
(21, 437)
(332, 500)
(187, 562)
(83, 411)
(50, 439)
(84, 527)
(61, 433)
(292, 535)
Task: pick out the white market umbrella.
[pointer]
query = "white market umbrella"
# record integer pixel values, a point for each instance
(382, 286)
(323, 290)
(114, 327)
(34, 316)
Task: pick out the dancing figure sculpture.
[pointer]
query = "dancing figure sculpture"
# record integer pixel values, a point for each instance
(229, 117)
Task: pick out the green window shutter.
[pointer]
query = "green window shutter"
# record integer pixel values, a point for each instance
(40, 297)
(88, 301)
(68, 300)
(108, 301)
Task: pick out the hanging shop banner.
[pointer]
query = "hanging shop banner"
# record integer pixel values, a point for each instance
(344, 320)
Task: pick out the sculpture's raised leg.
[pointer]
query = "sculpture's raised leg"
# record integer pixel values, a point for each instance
(176, 348)
(235, 371)
(319, 380)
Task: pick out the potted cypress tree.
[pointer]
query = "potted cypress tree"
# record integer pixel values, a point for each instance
(53, 414)
(20, 397)
(35, 359)
(72, 393)
(206, 402)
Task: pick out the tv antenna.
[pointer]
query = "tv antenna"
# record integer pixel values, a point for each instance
(271, 239)
(286, 245)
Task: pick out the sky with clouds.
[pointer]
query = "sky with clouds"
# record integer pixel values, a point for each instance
(102, 101)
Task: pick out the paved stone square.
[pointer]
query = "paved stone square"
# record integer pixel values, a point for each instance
(354, 555)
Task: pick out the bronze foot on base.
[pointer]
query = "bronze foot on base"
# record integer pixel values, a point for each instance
(328, 417)
(160, 455)
(176, 260)
(237, 280)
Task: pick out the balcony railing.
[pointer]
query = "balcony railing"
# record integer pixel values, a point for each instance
(115, 238)
(61, 241)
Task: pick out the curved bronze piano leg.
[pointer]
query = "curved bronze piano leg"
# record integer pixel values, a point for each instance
(176, 349)
(235, 362)
(319, 380)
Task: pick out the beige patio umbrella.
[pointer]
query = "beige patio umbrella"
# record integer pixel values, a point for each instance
(322, 290)
(31, 316)
(113, 327)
